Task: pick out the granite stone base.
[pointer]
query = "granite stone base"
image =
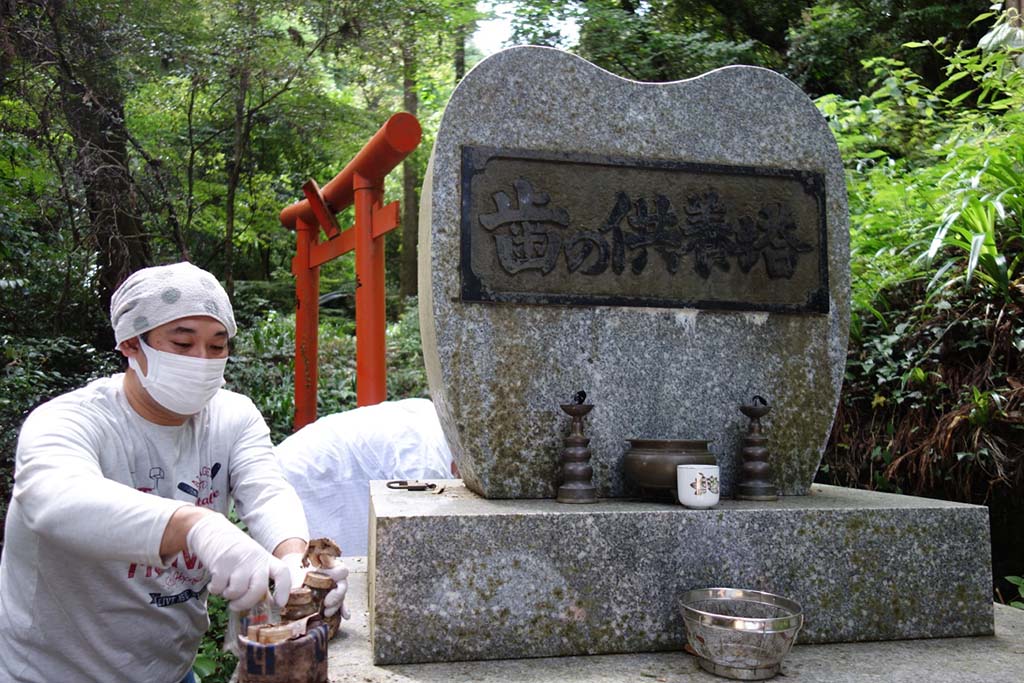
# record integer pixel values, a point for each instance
(457, 577)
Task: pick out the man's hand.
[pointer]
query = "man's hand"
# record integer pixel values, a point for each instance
(335, 599)
(241, 569)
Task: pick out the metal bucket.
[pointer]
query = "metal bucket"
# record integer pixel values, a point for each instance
(740, 634)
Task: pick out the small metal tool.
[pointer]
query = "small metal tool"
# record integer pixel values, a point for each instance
(403, 485)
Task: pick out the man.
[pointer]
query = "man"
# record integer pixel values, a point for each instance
(117, 527)
(331, 461)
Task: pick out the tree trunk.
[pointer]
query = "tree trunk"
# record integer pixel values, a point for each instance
(461, 32)
(102, 165)
(93, 104)
(407, 285)
(242, 126)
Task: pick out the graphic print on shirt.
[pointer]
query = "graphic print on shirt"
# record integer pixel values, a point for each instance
(156, 474)
(161, 600)
(185, 579)
(202, 486)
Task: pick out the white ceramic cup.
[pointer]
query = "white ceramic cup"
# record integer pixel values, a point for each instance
(697, 485)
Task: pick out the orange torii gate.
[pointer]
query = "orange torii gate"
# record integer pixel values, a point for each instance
(359, 184)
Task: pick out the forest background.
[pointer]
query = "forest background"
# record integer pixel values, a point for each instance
(134, 133)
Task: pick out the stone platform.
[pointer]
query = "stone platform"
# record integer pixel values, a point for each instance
(453, 576)
(986, 659)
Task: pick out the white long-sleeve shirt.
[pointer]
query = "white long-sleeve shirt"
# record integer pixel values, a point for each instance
(84, 595)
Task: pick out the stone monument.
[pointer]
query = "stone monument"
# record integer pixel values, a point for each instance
(672, 250)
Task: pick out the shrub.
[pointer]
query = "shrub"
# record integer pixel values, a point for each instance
(934, 388)
(1019, 583)
(933, 379)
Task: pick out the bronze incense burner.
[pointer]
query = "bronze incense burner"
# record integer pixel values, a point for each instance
(651, 463)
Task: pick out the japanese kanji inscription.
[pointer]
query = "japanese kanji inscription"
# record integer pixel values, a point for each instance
(572, 229)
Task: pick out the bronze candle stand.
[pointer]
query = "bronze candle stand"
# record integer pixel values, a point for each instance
(756, 475)
(576, 470)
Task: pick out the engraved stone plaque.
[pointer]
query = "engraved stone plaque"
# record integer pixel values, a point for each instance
(570, 228)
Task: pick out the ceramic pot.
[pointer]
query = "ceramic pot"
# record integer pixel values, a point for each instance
(651, 463)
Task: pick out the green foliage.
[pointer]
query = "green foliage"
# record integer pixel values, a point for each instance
(832, 37)
(655, 41)
(934, 378)
(935, 178)
(255, 298)
(894, 187)
(818, 43)
(932, 405)
(406, 375)
(44, 267)
(820, 47)
(213, 664)
(261, 98)
(645, 47)
(227, 110)
(979, 239)
(261, 368)
(1019, 583)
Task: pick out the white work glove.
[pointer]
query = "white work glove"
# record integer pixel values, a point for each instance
(240, 568)
(335, 599)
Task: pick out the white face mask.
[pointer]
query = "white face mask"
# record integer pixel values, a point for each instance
(182, 384)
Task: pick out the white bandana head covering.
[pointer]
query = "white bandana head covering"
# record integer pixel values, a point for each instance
(153, 296)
